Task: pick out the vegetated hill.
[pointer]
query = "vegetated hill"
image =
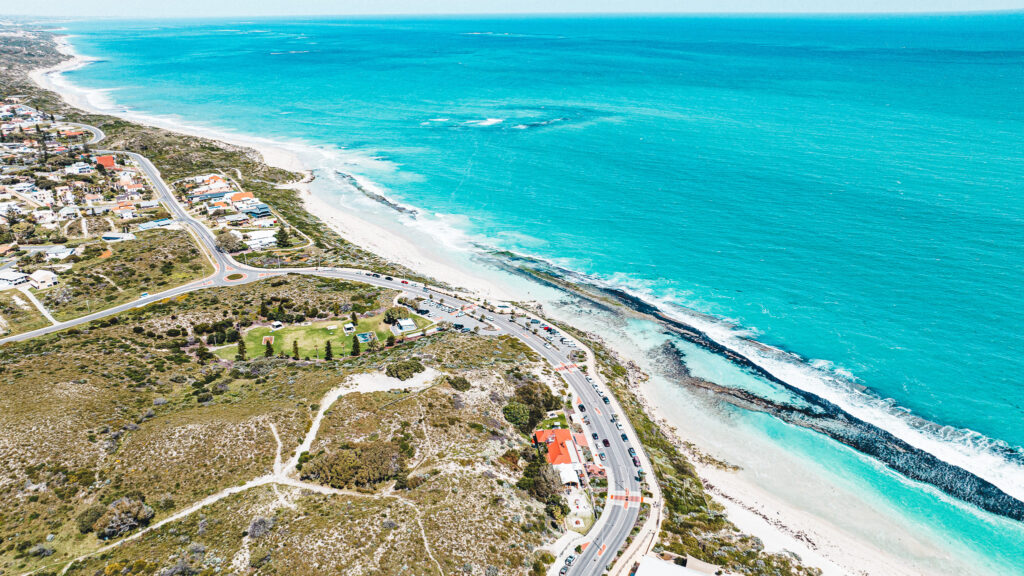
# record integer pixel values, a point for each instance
(110, 428)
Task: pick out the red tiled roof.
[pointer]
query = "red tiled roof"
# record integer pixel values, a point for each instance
(558, 442)
(105, 161)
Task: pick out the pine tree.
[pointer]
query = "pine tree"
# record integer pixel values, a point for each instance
(241, 350)
(263, 309)
(391, 340)
(268, 352)
(295, 349)
(355, 346)
(355, 319)
(328, 353)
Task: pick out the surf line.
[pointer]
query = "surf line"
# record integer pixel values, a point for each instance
(822, 416)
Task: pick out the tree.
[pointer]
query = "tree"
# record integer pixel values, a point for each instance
(241, 350)
(283, 241)
(355, 346)
(393, 315)
(263, 309)
(328, 353)
(355, 318)
(268, 352)
(295, 349)
(228, 242)
(391, 340)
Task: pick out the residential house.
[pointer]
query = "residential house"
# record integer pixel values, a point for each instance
(68, 213)
(106, 161)
(78, 168)
(562, 453)
(41, 279)
(10, 278)
(58, 252)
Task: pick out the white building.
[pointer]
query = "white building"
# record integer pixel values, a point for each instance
(41, 279)
(9, 278)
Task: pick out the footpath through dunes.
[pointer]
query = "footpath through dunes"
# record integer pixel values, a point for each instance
(810, 411)
(284, 474)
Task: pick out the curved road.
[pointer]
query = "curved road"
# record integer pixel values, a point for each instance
(609, 533)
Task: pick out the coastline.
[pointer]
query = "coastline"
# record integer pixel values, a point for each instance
(752, 509)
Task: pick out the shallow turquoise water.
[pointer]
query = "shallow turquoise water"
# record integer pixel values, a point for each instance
(848, 189)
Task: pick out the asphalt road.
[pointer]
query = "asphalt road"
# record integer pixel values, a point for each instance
(609, 533)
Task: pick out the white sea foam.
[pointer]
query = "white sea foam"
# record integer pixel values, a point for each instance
(968, 449)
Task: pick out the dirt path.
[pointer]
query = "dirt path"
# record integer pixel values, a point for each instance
(282, 473)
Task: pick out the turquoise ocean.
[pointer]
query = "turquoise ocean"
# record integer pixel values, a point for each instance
(848, 191)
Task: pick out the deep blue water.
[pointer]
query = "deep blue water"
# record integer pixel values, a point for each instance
(849, 189)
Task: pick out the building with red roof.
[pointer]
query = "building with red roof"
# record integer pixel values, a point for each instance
(106, 161)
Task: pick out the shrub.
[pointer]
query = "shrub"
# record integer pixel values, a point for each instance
(121, 517)
(87, 519)
(460, 383)
(404, 369)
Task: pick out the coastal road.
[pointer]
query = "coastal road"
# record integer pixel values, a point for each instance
(622, 507)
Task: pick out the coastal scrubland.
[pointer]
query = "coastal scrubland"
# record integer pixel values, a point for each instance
(114, 426)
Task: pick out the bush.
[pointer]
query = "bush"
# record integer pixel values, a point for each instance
(405, 369)
(460, 383)
(87, 519)
(121, 517)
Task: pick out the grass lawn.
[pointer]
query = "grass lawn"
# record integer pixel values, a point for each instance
(155, 261)
(550, 423)
(312, 338)
(18, 314)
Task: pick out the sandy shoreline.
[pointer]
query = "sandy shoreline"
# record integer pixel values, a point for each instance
(778, 525)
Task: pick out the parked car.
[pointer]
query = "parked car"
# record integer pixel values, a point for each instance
(458, 326)
(632, 451)
(636, 461)
(606, 443)
(582, 408)
(405, 281)
(624, 437)
(564, 570)
(388, 278)
(570, 559)
(606, 400)
(603, 457)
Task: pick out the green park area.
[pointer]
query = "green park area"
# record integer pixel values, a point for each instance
(312, 337)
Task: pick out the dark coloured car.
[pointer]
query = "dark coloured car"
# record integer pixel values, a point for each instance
(605, 442)
(582, 408)
(594, 434)
(388, 278)
(624, 437)
(458, 326)
(606, 400)
(636, 461)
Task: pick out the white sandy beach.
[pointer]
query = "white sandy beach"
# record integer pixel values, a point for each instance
(779, 525)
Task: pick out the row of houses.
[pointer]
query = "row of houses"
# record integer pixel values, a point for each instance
(224, 204)
(40, 279)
